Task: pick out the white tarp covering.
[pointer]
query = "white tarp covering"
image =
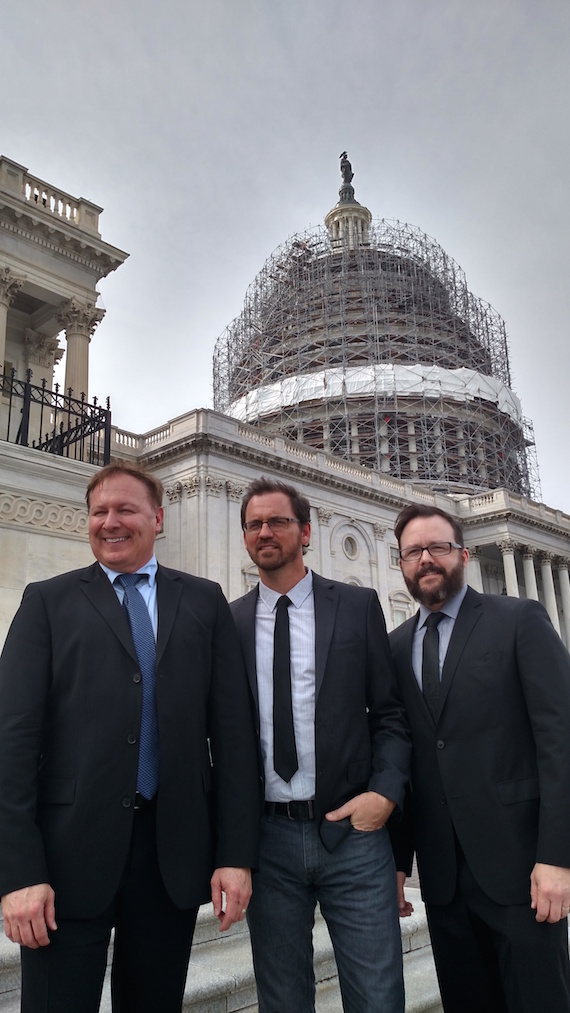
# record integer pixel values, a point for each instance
(366, 381)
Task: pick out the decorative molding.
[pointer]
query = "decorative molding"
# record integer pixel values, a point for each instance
(379, 531)
(174, 492)
(234, 492)
(192, 486)
(547, 558)
(79, 318)
(41, 349)
(507, 546)
(324, 515)
(9, 286)
(213, 486)
(37, 513)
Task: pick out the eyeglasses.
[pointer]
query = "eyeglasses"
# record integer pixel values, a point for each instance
(414, 552)
(273, 523)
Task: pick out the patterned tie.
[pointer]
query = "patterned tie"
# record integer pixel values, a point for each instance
(285, 761)
(430, 662)
(145, 646)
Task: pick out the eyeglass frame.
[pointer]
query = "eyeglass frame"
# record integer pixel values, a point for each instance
(283, 524)
(427, 548)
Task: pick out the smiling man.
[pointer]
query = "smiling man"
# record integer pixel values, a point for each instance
(486, 683)
(335, 755)
(128, 766)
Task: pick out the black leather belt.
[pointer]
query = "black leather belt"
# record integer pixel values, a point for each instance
(292, 810)
(143, 803)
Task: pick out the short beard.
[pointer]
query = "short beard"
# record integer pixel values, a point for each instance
(451, 584)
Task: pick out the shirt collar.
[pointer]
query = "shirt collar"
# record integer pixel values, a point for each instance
(450, 608)
(149, 568)
(297, 594)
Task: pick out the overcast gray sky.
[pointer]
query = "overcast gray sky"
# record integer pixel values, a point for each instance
(209, 130)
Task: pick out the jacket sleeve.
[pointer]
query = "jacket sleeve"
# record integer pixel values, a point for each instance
(389, 731)
(234, 749)
(25, 675)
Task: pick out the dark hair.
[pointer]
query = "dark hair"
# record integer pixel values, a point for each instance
(299, 504)
(153, 485)
(414, 510)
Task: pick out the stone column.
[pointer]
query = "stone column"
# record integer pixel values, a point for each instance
(382, 583)
(508, 553)
(9, 287)
(79, 320)
(549, 592)
(474, 575)
(324, 518)
(529, 573)
(564, 580)
(235, 550)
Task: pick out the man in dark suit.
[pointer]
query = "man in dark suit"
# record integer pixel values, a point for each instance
(486, 683)
(98, 830)
(335, 754)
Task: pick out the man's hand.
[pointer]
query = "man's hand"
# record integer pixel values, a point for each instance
(236, 884)
(368, 811)
(405, 907)
(28, 914)
(550, 892)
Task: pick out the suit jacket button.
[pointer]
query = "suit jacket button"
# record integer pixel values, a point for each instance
(126, 802)
(137, 677)
(443, 801)
(131, 739)
(440, 744)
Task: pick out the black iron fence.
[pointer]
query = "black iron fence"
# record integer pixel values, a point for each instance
(57, 423)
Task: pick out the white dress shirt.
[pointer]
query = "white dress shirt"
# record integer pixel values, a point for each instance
(302, 639)
(449, 612)
(147, 588)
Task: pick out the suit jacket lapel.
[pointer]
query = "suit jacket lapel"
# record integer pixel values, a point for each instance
(469, 614)
(326, 604)
(169, 590)
(98, 588)
(244, 616)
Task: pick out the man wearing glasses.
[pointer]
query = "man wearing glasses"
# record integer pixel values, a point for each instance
(486, 683)
(335, 754)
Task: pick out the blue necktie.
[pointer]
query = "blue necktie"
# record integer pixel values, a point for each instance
(145, 646)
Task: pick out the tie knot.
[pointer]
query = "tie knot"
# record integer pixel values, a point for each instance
(283, 602)
(433, 620)
(127, 580)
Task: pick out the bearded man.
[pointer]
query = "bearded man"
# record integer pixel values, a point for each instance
(486, 683)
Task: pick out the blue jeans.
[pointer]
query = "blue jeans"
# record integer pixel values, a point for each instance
(355, 886)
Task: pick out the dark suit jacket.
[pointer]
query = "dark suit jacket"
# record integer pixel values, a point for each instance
(495, 767)
(70, 706)
(361, 734)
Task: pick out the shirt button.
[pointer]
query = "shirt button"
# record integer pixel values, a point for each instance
(131, 739)
(137, 677)
(440, 744)
(443, 801)
(126, 802)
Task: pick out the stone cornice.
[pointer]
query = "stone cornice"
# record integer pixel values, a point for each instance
(59, 237)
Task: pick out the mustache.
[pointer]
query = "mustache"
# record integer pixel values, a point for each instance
(430, 568)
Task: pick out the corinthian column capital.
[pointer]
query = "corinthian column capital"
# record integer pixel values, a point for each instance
(9, 286)
(79, 318)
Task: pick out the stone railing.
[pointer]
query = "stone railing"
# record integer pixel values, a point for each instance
(48, 198)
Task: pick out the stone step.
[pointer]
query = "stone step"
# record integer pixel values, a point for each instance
(220, 978)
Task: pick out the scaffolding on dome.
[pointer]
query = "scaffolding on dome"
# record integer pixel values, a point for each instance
(378, 353)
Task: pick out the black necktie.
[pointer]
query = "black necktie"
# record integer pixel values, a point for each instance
(284, 752)
(145, 646)
(430, 661)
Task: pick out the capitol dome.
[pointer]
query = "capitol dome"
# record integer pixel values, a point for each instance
(361, 338)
